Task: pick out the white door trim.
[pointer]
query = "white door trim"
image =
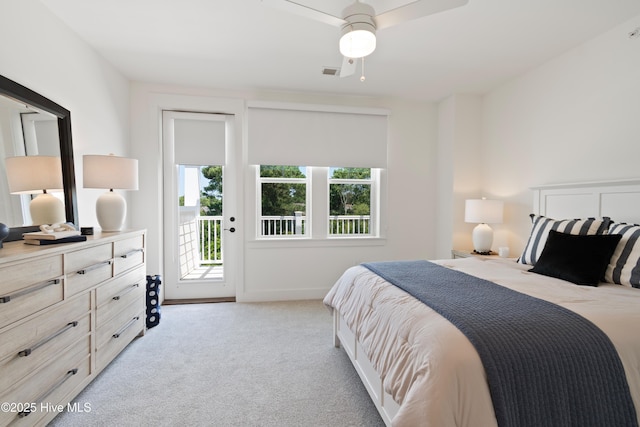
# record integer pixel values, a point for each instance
(235, 107)
(175, 286)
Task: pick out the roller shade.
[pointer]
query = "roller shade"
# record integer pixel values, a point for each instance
(314, 137)
(199, 139)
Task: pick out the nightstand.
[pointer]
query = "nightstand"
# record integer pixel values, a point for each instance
(469, 253)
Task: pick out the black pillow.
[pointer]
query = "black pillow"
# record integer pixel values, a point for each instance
(579, 259)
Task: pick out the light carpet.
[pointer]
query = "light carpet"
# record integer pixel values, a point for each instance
(230, 364)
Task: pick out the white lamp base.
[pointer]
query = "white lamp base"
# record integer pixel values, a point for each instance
(111, 210)
(482, 238)
(47, 209)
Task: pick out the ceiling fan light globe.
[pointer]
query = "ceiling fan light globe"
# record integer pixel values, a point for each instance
(357, 42)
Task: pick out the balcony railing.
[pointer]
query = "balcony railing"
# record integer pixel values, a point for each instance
(210, 235)
(292, 225)
(349, 225)
(210, 239)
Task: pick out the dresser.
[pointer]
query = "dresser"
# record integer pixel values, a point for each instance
(66, 311)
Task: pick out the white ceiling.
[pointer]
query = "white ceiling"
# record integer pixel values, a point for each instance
(246, 45)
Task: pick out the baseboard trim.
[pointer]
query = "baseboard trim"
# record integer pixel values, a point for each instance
(198, 301)
(283, 295)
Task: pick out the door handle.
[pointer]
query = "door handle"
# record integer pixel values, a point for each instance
(232, 229)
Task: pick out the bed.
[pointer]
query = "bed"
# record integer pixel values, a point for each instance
(421, 370)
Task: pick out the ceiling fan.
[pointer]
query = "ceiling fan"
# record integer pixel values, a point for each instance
(359, 23)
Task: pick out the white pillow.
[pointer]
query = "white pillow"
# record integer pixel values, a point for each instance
(623, 268)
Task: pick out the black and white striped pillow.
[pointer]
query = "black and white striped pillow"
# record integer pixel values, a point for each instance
(542, 225)
(624, 267)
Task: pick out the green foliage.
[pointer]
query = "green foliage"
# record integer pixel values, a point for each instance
(351, 173)
(211, 197)
(350, 199)
(268, 171)
(282, 198)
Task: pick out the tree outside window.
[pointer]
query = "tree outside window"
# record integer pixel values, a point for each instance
(283, 196)
(349, 201)
(211, 195)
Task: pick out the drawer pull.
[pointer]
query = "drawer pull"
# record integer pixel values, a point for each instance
(130, 253)
(40, 399)
(27, 351)
(26, 291)
(126, 291)
(125, 327)
(94, 267)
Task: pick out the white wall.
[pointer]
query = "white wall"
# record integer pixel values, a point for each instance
(576, 118)
(303, 269)
(38, 51)
(459, 164)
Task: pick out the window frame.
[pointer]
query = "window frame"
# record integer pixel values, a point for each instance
(374, 203)
(282, 180)
(316, 227)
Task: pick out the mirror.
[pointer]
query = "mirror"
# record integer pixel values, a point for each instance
(44, 127)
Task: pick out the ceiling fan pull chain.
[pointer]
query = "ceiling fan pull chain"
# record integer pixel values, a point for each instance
(362, 76)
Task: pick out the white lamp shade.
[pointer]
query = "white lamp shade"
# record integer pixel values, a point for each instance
(33, 174)
(110, 172)
(483, 211)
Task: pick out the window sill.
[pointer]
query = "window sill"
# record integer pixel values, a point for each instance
(338, 242)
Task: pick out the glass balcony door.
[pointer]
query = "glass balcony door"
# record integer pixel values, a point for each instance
(199, 205)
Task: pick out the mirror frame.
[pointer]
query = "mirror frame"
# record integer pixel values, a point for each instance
(25, 95)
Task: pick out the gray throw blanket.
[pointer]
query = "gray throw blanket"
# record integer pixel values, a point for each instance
(545, 365)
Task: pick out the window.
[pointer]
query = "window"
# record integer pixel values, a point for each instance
(283, 201)
(318, 200)
(350, 201)
(345, 202)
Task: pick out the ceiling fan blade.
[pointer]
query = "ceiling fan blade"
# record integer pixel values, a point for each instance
(307, 12)
(415, 10)
(348, 67)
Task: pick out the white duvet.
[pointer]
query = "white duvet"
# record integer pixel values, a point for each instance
(430, 368)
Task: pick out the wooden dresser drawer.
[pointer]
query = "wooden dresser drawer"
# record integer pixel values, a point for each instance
(28, 346)
(118, 333)
(128, 253)
(113, 297)
(29, 287)
(51, 384)
(88, 267)
(118, 324)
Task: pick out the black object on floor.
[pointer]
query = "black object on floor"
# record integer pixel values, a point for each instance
(153, 300)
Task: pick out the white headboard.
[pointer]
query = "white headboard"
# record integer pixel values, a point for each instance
(619, 200)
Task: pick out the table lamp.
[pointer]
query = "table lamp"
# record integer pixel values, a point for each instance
(110, 172)
(38, 175)
(483, 212)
